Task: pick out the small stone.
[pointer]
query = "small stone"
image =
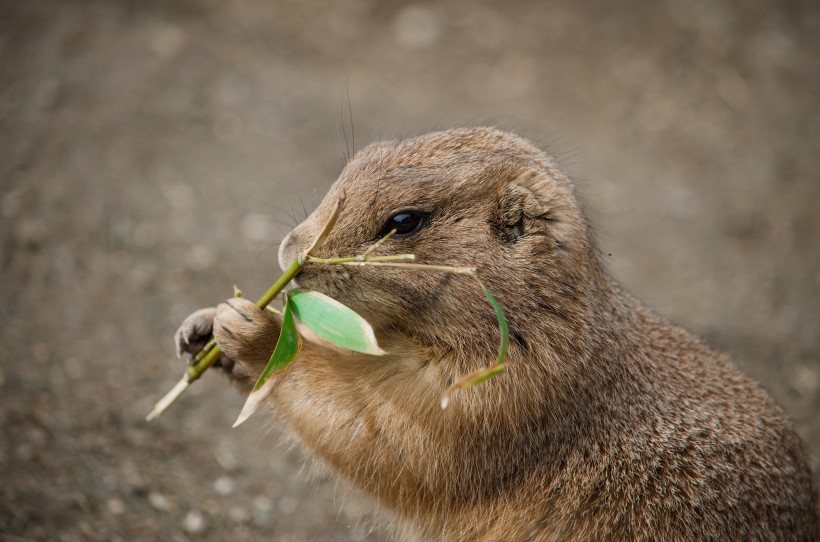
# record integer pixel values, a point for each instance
(224, 456)
(805, 379)
(224, 485)
(159, 501)
(262, 507)
(238, 514)
(168, 41)
(194, 522)
(115, 506)
(262, 502)
(37, 436)
(179, 195)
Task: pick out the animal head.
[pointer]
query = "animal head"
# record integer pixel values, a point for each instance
(475, 197)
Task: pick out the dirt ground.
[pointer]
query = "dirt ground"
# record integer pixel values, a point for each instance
(153, 153)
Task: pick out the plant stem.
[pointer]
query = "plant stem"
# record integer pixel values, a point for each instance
(360, 259)
(377, 244)
(469, 271)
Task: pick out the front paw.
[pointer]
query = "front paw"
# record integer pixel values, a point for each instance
(247, 335)
(194, 332)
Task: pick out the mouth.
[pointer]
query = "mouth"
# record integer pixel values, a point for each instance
(306, 281)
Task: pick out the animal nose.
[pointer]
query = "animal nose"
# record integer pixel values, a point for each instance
(285, 256)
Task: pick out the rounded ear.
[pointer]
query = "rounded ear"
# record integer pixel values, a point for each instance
(518, 207)
(534, 204)
(523, 209)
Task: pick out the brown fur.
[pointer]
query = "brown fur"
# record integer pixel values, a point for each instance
(609, 424)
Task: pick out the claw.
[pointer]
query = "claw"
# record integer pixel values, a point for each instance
(193, 331)
(178, 344)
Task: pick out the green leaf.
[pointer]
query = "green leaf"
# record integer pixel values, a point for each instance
(333, 321)
(502, 325)
(287, 347)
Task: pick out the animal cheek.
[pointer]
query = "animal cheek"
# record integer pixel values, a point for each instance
(318, 279)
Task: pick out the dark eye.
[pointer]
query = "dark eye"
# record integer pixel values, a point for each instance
(405, 223)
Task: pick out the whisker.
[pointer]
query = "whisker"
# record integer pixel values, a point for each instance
(293, 214)
(304, 209)
(342, 151)
(266, 249)
(350, 114)
(344, 130)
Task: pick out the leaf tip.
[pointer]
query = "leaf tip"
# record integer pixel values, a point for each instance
(241, 418)
(254, 400)
(247, 410)
(373, 347)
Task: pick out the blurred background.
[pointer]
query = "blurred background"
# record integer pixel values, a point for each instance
(153, 153)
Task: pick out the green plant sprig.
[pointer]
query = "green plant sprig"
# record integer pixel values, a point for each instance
(316, 311)
(211, 351)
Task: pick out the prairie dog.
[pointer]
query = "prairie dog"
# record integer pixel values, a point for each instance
(609, 423)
